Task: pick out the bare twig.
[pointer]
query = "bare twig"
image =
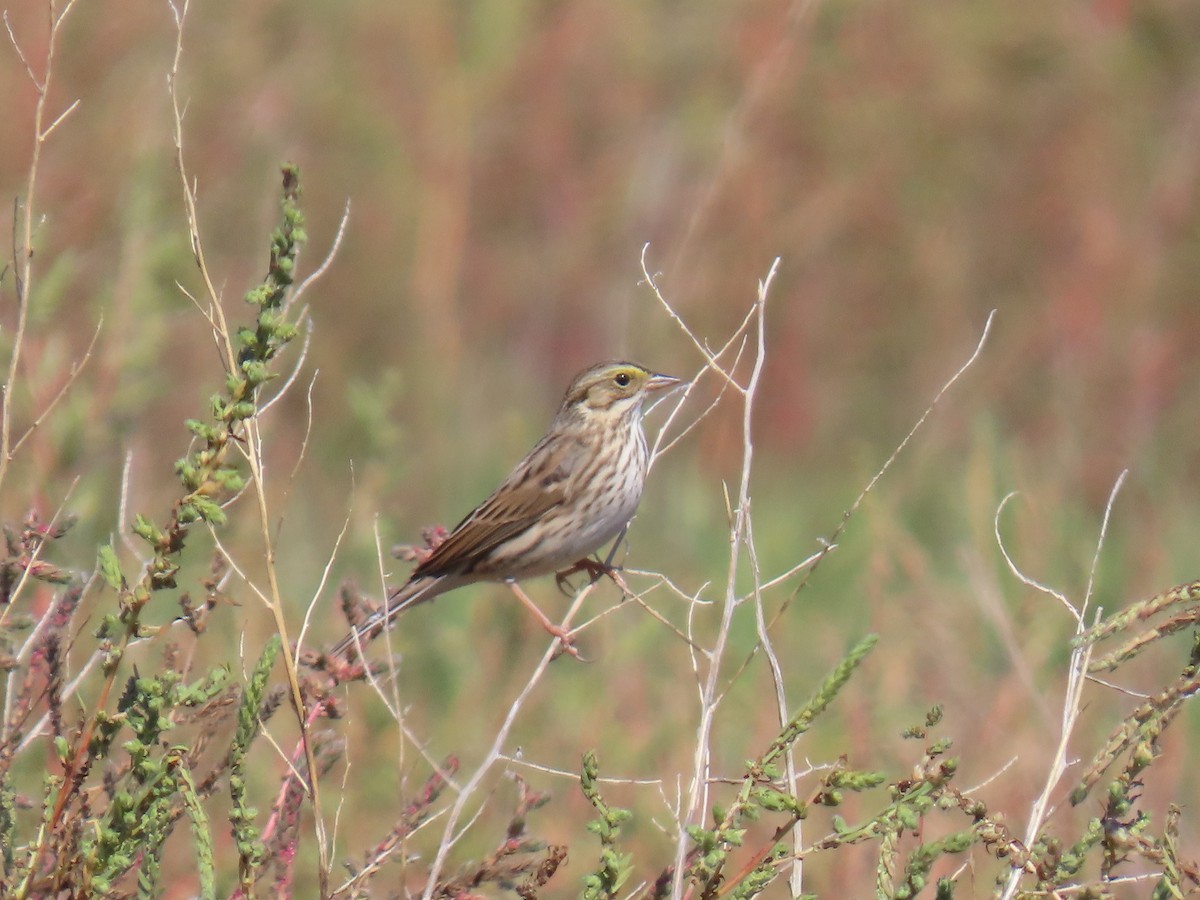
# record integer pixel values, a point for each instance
(453, 830)
(698, 790)
(710, 358)
(320, 270)
(76, 368)
(123, 508)
(23, 251)
(254, 458)
(391, 698)
(303, 451)
(325, 573)
(573, 775)
(629, 596)
(31, 566)
(665, 448)
(829, 544)
(1076, 679)
(21, 53)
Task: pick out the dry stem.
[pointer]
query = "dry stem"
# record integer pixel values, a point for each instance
(253, 453)
(1076, 678)
(23, 253)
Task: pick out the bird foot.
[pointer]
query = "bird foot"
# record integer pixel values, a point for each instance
(565, 643)
(594, 568)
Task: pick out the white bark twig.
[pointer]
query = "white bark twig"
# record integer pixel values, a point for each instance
(320, 270)
(1076, 679)
(709, 680)
(23, 229)
(253, 451)
(452, 831)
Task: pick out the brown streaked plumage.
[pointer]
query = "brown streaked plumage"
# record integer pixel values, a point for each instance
(573, 492)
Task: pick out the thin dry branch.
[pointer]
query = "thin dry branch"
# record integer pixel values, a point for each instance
(1076, 680)
(453, 831)
(573, 774)
(62, 117)
(316, 274)
(704, 414)
(391, 699)
(710, 358)
(303, 451)
(76, 368)
(26, 571)
(253, 453)
(629, 596)
(325, 575)
(709, 681)
(37, 84)
(830, 543)
(23, 247)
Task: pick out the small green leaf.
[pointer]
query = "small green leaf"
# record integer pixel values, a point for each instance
(200, 429)
(146, 530)
(237, 411)
(110, 568)
(208, 510)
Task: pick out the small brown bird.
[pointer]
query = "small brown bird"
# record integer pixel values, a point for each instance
(574, 491)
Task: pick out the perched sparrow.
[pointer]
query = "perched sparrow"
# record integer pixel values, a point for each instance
(573, 492)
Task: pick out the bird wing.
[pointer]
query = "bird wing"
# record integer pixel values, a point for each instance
(539, 483)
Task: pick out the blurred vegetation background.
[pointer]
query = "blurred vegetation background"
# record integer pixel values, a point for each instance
(914, 166)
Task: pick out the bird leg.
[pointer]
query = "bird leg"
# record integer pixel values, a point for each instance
(563, 635)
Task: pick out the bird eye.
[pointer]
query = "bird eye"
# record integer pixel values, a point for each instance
(622, 379)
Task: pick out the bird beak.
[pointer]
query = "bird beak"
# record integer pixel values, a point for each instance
(661, 382)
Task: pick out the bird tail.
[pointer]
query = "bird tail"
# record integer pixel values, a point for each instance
(411, 593)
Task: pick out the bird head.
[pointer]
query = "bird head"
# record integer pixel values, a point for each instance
(613, 389)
